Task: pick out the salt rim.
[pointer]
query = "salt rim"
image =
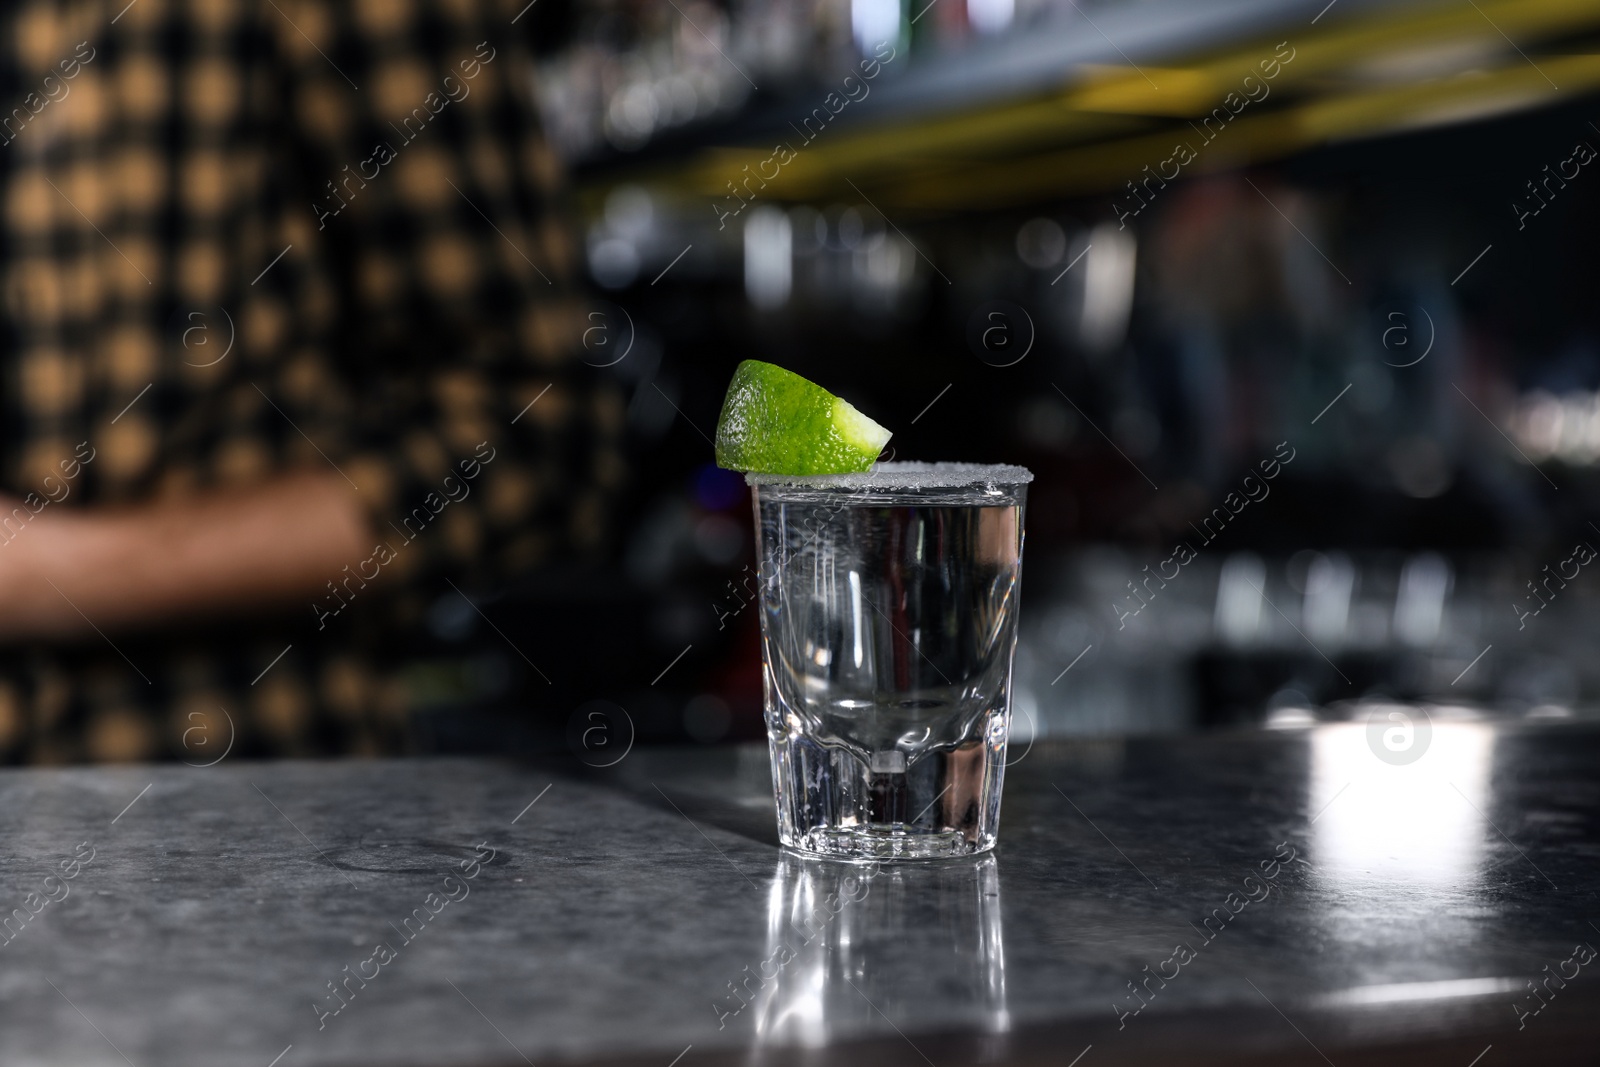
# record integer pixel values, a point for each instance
(905, 474)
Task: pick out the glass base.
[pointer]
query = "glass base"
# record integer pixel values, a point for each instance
(832, 804)
(885, 842)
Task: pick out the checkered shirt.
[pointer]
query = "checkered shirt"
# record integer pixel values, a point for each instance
(248, 237)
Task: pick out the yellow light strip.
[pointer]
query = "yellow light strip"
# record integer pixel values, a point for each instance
(1104, 124)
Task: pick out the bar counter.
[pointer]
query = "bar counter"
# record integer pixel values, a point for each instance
(1242, 898)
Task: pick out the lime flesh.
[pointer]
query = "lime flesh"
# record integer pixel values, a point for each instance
(776, 422)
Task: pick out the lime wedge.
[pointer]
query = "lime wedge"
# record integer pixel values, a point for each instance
(775, 422)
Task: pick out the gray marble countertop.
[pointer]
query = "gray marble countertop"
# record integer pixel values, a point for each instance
(1240, 899)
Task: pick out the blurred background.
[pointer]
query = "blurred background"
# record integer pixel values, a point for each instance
(1154, 250)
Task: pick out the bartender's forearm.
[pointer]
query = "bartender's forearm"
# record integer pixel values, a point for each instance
(226, 553)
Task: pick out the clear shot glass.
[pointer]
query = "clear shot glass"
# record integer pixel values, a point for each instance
(888, 623)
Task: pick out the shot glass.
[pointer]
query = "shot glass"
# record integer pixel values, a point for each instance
(888, 624)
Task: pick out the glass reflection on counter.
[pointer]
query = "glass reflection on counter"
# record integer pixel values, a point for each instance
(846, 941)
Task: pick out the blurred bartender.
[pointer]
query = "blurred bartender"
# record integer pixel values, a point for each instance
(281, 282)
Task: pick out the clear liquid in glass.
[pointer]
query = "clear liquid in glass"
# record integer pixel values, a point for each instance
(888, 626)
